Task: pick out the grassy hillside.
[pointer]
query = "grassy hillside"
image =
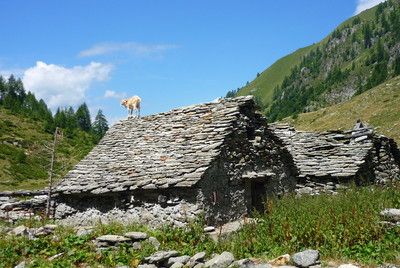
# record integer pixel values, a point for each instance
(263, 86)
(24, 153)
(380, 107)
(348, 61)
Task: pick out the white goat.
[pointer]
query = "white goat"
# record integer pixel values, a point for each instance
(131, 104)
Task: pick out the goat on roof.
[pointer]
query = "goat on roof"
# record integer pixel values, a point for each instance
(131, 104)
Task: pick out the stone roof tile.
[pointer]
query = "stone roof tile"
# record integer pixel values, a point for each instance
(158, 151)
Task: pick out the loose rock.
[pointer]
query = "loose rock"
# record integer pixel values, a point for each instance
(161, 256)
(391, 214)
(223, 260)
(281, 260)
(136, 236)
(153, 241)
(348, 265)
(306, 258)
(19, 231)
(181, 259)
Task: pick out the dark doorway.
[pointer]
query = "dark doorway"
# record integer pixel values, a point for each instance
(258, 195)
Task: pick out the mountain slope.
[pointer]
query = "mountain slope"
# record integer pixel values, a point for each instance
(360, 54)
(380, 107)
(263, 86)
(25, 154)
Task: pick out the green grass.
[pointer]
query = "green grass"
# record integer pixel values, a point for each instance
(264, 85)
(379, 107)
(24, 153)
(344, 227)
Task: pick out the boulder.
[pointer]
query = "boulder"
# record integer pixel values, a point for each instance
(136, 236)
(219, 261)
(198, 257)
(391, 214)
(306, 258)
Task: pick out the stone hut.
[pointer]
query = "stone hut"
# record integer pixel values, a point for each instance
(216, 159)
(327, 161)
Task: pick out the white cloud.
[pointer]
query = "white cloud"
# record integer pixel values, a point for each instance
(61, 86)
(366, 4)
(134, 48)
(113, 94)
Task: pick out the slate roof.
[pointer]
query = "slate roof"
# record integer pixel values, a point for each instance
(171, 149)
(333, 153)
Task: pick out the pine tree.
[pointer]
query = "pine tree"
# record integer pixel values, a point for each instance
(100, 125)
(83, 118)
(396, 67)
(367, 36)
(2, 88)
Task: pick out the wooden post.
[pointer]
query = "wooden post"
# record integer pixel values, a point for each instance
(53, 157)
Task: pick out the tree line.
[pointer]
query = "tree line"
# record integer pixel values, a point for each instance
(16, 99)
(309, 83)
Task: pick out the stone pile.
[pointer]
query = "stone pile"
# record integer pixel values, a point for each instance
(12, 209)
(134, 239)
(31, 233)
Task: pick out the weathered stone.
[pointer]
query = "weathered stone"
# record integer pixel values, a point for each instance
(136, 236)
(21, 265)
(198, 257)
(181, 259)
(391, 214)
(19, 231)
(137, 245)
(84, 230)
(161, 256)
(147, 266)
(209, 229)
(113, 239)
(306, 258)
(281, 260)
(219, 261)
(348, 265)
(153, 241)
(177, 265)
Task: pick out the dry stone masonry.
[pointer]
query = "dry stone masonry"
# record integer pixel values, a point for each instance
(327, 161)
(220, 160)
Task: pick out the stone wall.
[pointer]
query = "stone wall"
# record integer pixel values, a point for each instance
(252, 152)
(176, 206)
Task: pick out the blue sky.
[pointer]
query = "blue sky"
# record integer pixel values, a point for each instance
(170, 53)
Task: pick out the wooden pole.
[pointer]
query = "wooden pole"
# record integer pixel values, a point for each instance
(53, 157)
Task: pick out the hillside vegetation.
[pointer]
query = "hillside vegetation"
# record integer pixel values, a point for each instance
(25, 152)
(263, 86)
(380, 107)
(26, 137)
(360, 54)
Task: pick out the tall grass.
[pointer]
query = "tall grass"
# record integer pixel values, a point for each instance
(343, 227)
